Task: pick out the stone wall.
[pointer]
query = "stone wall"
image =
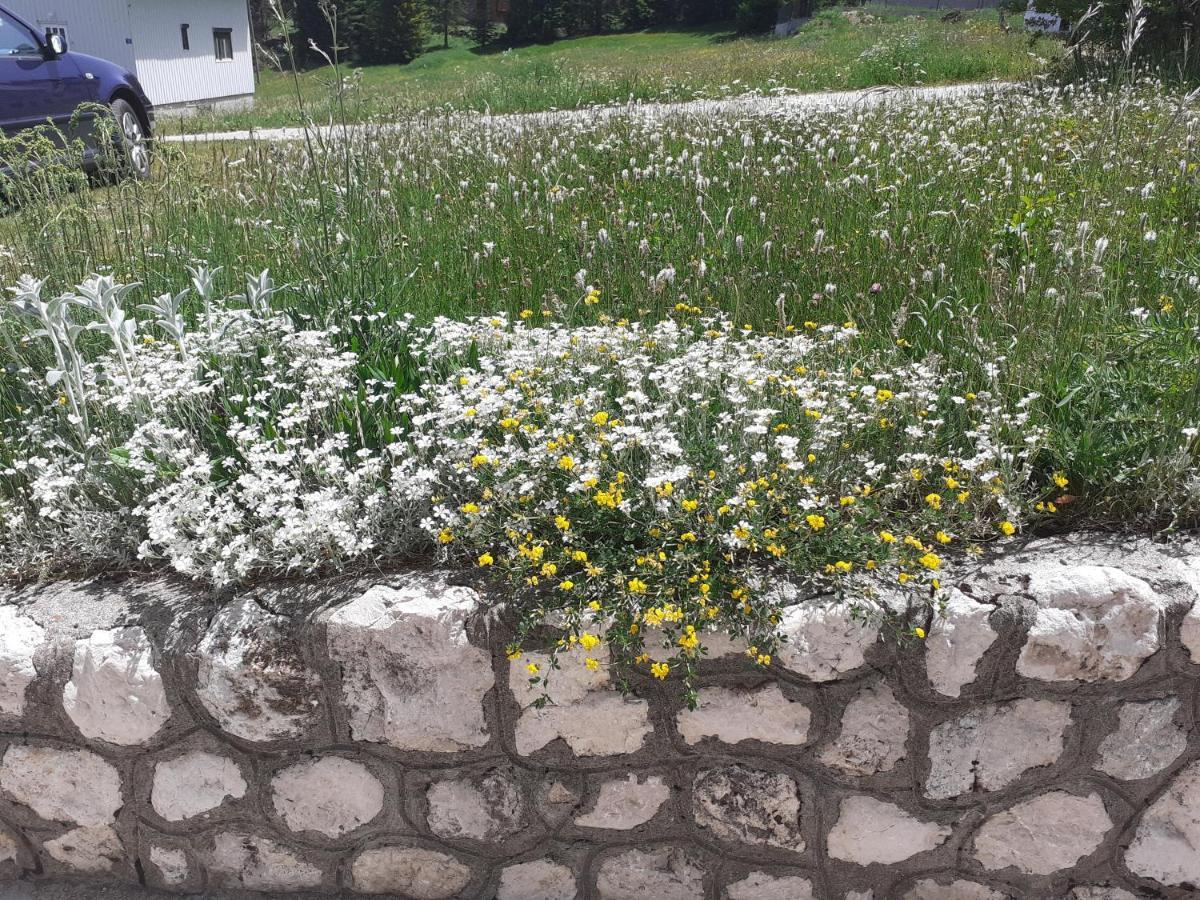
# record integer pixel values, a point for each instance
(372, 738)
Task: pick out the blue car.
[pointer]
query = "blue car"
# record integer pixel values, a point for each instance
(42, 82)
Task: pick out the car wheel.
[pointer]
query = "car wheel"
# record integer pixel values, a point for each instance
(132, 142)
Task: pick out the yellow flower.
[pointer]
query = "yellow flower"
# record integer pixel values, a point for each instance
(660, 671)
(688, 537)
(943, 538)
(637, 586)
(566, 585)
(1008, 528)
(588, 640)
(688, 640)
(763, 659)
(887, 537)
(690, 505)
(478, 460)
(485, 559)
(562, 523)
(513, 654)
(470, 508)
(934, 500)
(445, 536)
(815, 522)
(579, 556)
(600, 418)
(532, 668)
(592, 664)
(919, 632)
(883, 395)
(847, 501)
(549, 570)
(931, 561)
(963, 496)
(566, 463)
(843, 566)
(1061, 480)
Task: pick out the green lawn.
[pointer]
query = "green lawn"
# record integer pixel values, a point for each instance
(836, 50)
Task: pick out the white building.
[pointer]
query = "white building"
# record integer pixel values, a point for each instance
(184, 52)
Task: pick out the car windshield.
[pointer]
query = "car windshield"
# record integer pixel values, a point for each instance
(15, 40)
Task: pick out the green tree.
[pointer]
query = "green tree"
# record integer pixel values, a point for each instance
(756, 16)
(385, 31)
(535, 21)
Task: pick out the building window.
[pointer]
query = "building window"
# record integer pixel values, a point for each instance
(223, 43)
(183, 36)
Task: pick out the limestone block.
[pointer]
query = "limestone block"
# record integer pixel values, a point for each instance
(1093, 623)
(1098, 892)
(956, 643)
(252, 677)
(991, 746)
(872, 831)
(627, 802)
(874, 731)
(8, 849)
(410, 676)
(489, 807)
(750, 806)
(541, 879)
(1146, 740)
(928, 889)
(20, 640)
(172, 864)
(62, 785)
(761, 886)
(1043, 835)
(664, 873)
(735, 714)
(1166, 846)
(823, 641)
(256, 863)
(412, 871)
(194, 783)
(1189, 632)
(115, 694)
(92, 848)
(331, 795)
(584, 709)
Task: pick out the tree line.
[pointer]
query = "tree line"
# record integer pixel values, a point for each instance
(369, 32)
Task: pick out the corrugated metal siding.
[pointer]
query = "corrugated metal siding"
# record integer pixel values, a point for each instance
(96, 27)
(171, 74)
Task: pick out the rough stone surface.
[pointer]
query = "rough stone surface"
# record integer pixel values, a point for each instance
(1043, 835)
(486, 808)
(824, 641)
(1166, 846)
(62, 785)
(665, 873)
(749, 806)
(330, 795)
(1093, 623)
(413, 871)
(761, 886)
(874, 730)
(252, 677)
(1189, 632)
(627, 802)
(957, 642)
(959, 889)
(776, 788)
(195, 783)
(172, 865)
(92, 849)
(410, 676)
(872, 831)
(256, 863)
(987, 749)
(20, 639)
(584, 709)
(1146, 741)
(115, 694)
(731, 715)
(542, 879)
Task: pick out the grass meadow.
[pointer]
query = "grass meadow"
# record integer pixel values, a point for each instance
(625, 362)
(836, 50)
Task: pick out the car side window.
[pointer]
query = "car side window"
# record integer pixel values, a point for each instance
(15, 39)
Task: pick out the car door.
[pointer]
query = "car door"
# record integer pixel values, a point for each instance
(36, 86)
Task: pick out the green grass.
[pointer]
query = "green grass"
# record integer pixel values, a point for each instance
(836, 50)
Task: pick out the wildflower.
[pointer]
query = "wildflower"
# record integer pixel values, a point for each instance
(532, 668)
(931, 561)
(660, 671)
(1008, 528)
(943, 538)
(934, 500)
(562, 523)
(887, 537)
(919, 633)
(485, 559)
(1060, 480)
(587, 640)
(445, 536)
(815, 522)
(592, 663)
(636, 586)
(600, 419)
(566, 463)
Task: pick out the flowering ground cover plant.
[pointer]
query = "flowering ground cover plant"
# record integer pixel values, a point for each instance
(637, 367)
(623, 477)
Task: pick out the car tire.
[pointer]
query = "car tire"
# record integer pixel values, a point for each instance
(132, 143)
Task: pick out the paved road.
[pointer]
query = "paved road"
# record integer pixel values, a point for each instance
(746, 104)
